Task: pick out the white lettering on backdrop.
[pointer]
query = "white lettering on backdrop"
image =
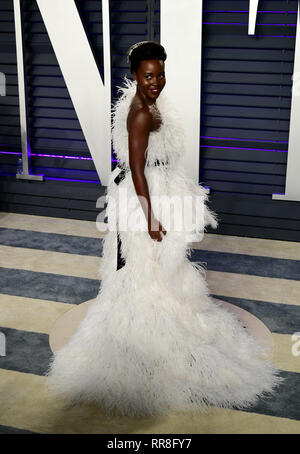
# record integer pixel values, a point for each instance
(181, 34)
(91, 97)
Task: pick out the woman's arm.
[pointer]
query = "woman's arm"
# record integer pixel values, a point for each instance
(138, 135)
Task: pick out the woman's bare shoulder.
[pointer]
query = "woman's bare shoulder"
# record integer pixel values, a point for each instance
(140, 117)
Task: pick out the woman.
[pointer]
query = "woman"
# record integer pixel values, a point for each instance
(154, 340)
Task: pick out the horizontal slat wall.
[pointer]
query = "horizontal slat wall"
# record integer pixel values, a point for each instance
(59, 149)
(246, 96)
(245, 113)
(9, 105)
(53, 124)
(76, 200)
(245, 110)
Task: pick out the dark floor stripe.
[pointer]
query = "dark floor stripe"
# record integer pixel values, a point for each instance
(285, 401)
(248, 264)
(14, 430)
(279, 318)
(214, 261)
(47, 286)
(29, 352)
(51, 242)
(26, 351)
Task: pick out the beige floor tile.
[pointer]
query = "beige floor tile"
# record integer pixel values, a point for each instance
(48, 224)
(250, 246)
(49, 262)
(30, 314)
(26, 404)
(286, 352)
(282, 291)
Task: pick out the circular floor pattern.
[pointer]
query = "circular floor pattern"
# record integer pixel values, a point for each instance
(67, 325)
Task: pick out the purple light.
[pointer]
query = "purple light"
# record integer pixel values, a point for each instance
(53, 156)
(60, 156)
(202, 146)
(240, 11)
(240, 148)
(234, 138)
(68, 179)
(243, 23)
(270, 36)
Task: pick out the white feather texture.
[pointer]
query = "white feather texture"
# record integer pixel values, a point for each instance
(154, 341)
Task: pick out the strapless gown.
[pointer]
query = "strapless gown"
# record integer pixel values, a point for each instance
(154, 340)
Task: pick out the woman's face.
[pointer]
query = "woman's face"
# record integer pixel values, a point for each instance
(150, 78)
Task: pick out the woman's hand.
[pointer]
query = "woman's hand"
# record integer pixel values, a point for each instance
(155, 230)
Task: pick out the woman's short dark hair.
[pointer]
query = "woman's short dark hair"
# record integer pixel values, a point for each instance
(148, 50)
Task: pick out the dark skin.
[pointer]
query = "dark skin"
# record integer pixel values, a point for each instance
(140, 122)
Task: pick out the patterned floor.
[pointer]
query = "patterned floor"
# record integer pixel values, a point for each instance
(49, 264)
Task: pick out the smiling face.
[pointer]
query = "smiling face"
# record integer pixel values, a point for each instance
(150, 78)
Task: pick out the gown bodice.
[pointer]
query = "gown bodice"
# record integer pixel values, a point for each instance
(164, 144)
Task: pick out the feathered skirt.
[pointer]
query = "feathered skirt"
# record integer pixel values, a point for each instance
(154, 341)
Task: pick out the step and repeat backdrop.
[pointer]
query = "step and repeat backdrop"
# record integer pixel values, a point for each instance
(246, 67)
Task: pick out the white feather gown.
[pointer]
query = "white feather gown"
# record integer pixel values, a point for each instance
(154, 341)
